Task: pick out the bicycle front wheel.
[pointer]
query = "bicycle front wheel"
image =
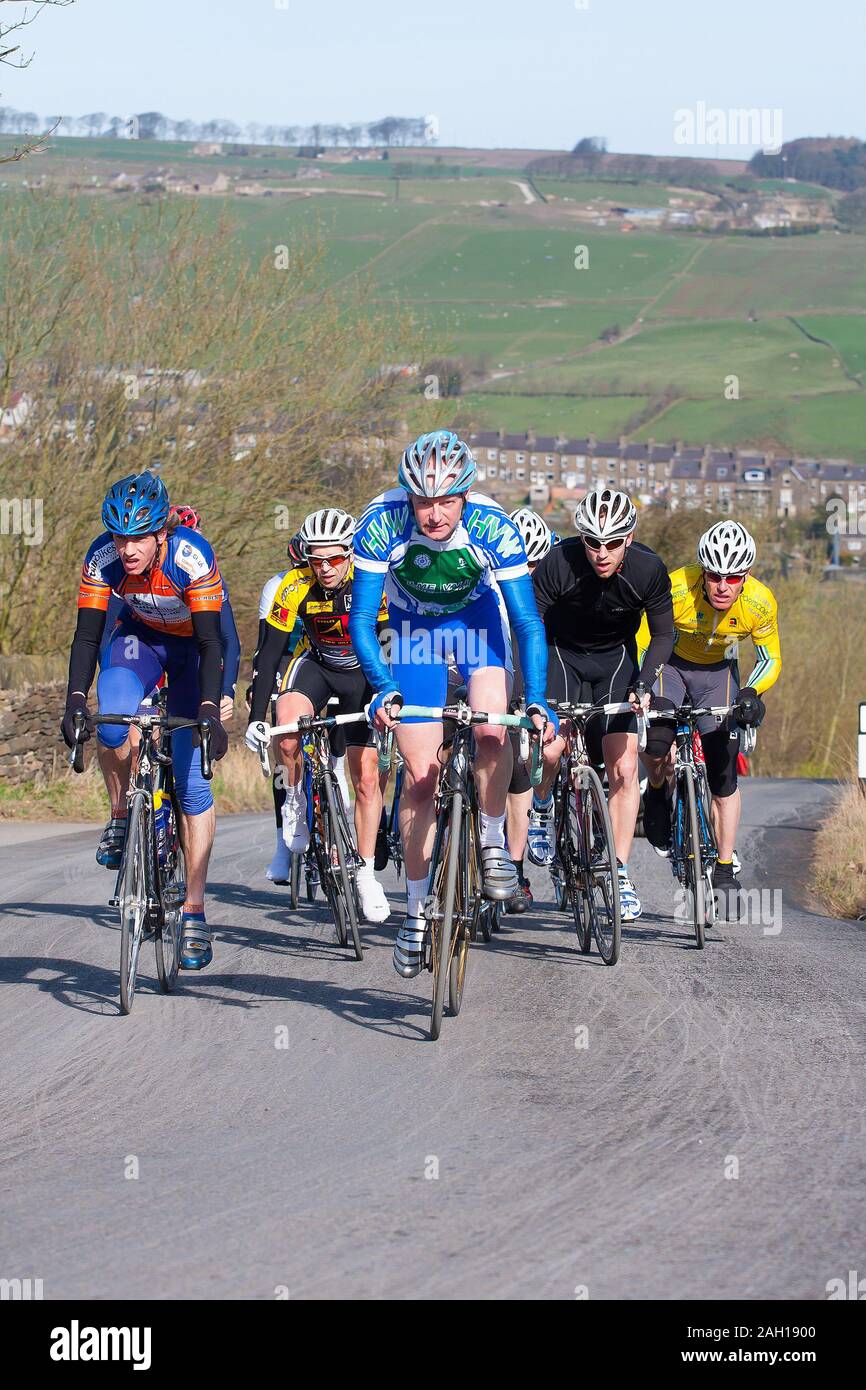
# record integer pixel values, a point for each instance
(133, 896)
(568, 879)
(693, 871)
(468, 909)
(599, 881)
(442, 929)
(295, 878)
(343, 881)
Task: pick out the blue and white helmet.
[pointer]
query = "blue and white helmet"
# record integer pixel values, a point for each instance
(437, 465)
(137, 505)
(536, 534)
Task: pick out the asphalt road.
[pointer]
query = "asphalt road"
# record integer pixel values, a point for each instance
(706, 1142)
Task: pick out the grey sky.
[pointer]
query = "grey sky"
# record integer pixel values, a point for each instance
(495, 72)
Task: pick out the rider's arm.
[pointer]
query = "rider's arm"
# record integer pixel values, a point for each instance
(278, 624)
(267, 661)
(659, 610)
(231, 649)
(520, 604)
(768, 654)
(367, 586)
(85, 649)
(206, 629)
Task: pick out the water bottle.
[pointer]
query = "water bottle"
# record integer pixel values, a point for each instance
(160, 811)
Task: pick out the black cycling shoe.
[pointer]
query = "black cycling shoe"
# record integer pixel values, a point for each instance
(657, 818)
(727, 892)
(521, 901)
(382, 854)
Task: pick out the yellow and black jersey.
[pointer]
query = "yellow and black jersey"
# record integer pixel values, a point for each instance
(705, 636)
(324, 614)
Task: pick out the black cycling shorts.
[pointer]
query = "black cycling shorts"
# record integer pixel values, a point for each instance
(307, 676)
(716, 684)
(600, 678)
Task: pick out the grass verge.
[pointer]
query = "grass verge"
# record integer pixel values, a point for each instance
(840, 857)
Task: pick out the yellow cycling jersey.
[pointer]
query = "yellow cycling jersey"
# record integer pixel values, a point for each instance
(704, 635)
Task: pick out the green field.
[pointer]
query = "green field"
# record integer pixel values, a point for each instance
(493, 281)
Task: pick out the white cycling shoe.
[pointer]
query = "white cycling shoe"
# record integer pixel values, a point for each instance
(409, 947)
(374, 905)
(541, 836)
(280, 867)
(630, 907)
(296, 834)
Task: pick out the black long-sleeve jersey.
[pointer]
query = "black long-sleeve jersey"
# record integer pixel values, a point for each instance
(583, 613)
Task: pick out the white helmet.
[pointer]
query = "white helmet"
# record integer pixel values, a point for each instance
(606, 514)
(437, 465)
(535, 532)
(727, 548)
(329, 526)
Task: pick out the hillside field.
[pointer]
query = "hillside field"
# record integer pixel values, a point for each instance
(493, 280)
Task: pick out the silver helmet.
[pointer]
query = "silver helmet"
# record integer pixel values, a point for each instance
(534, 530)
(727, 548)
(606, 514)
(328, 526)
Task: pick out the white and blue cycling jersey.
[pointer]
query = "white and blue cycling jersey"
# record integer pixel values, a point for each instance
(481, 568)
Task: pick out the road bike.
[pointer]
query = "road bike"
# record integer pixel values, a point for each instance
(455, 908)
(584, 868)
(150, 887)
(694, 852)
(331, 842)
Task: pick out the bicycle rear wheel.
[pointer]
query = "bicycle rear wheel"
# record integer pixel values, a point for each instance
(342, 880)
(599, 882)
(133, 896)
(295, 878)
(172, 878)
(692, 859)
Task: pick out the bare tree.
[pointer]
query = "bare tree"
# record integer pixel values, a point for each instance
(12, 56)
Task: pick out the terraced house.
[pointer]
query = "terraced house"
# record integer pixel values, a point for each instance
(552, 469)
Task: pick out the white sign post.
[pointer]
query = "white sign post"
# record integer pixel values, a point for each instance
(861, 749)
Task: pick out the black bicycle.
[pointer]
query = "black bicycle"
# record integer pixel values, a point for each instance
(455, 908)
(694, 852)
(584, 869)
(392, 817)
(150, 888)
(332, 847)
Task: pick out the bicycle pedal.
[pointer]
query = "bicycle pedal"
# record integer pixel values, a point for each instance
(114, 902)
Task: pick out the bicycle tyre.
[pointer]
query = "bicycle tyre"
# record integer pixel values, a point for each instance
(442, 937)
(344, 887)
(133, 898)
(470, 906)
(693, 858)
(599, 875)
(172, 886)
(297, 858)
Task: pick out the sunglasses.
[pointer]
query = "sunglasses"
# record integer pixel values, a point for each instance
(719, 578)
(332, 561)
(610, 545)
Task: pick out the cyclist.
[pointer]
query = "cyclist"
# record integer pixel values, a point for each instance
(169, 624)
(324, 664)
(538, 539)
(453, 567)
(181, 515)
(279, 867)
(716, 603)
(591, 591)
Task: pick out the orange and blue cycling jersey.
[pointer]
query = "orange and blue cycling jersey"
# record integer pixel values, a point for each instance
(184, 580)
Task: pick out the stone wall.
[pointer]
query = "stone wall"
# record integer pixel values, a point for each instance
(30, 744)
